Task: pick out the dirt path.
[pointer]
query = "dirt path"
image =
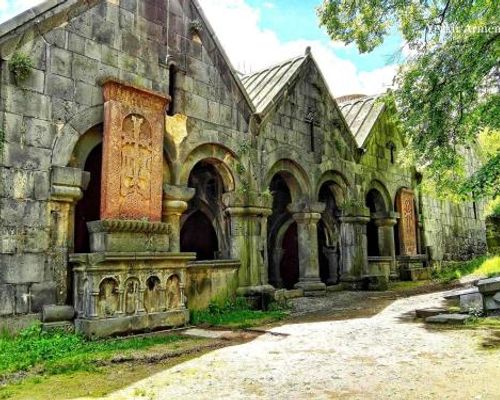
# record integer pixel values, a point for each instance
(385, 356)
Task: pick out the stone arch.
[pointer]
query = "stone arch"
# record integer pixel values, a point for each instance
(287, 258)
(108, 300)
(385, 195)
(69, 134)
(222, 158)
(173, 292)
(294, 175)
(377, 202)
(332, 192)
(205, 212)
(153, 299)
(339, 179)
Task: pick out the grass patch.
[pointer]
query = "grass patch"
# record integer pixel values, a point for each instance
(481, 267)
(236, 315)
(61, 352)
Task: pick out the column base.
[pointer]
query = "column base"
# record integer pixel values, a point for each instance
(311, 288)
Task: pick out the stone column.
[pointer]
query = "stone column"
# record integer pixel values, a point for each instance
(67, 185)
(175, 202)
(249, 245)
(354, 250)
(307, 218)
(385, 224)
(333, 264)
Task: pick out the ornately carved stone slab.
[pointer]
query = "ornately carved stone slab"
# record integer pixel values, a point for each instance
(132, 153)
(407, 226)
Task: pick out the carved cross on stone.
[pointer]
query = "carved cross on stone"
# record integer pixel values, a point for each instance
(313, 121)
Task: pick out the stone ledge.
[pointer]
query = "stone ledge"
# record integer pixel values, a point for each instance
(95, 328)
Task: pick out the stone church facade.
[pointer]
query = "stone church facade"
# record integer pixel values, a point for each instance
(141, 176)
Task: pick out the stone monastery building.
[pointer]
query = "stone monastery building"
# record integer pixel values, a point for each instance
(141, 176)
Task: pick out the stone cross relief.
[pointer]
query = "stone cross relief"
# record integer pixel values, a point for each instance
(312, 120)
(136, 155)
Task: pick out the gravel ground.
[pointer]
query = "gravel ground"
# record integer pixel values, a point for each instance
(384, 356)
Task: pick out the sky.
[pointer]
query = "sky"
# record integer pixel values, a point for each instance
(259, 33)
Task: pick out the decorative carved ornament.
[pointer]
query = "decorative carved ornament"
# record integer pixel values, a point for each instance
(407, 222)
(132, 162)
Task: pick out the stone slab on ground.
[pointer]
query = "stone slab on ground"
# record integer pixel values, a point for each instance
(448, 319)
(471, 301)
(456, 294)
(429, 312)
(205, 333)
(490, 285)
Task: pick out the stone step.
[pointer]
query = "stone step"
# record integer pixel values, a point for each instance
(490, 285)
(448, 319)
(430, 312)
(456, 295)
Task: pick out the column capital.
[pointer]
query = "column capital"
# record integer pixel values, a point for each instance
(68, 184)
(352, 219)
(305, 217)
(179, 193)
(249, 211)
(302, 207)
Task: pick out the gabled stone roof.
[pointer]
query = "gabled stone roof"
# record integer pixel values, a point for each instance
(38, 20)
(264, 87)
(361, 113)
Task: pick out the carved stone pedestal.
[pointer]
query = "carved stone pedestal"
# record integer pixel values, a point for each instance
(119, 292)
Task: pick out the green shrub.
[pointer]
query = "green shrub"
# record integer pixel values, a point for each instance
(20, 65)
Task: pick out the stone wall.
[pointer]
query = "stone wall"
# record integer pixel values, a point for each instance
(73, 48)
(454, 230)
(493, 234)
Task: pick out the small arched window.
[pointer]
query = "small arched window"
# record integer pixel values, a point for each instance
(392, 148)
(172, 71)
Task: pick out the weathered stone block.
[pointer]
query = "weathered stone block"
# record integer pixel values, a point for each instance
(35, 81)
(93, 49)
(39, 133)
(84, 69)
(471, 302)
(42, 294)
(430, 312)
(26, 157)
(41, 185)
(76, 43)
(13, 127)
(7, 302)
(448, 319)
(56, 37)
(490, 285)
(61, 87)
(22, 268)
(27, 103)
(60, 63)
(22, 299)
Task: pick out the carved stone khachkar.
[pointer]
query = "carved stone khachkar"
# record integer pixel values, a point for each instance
(132, 153)
(131, 281)
(408, 226)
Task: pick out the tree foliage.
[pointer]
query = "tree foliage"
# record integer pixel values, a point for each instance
(447, 89)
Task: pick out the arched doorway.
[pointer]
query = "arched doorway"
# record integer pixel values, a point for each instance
(88, 208)
(282, 236)
(331, 194)
(289, 265)
(375, 202)
(203, 228)
(198, 236)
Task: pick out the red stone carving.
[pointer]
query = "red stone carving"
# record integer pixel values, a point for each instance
(132, 162)
(407, 222)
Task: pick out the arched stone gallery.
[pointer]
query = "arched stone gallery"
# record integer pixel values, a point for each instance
(136, 186)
